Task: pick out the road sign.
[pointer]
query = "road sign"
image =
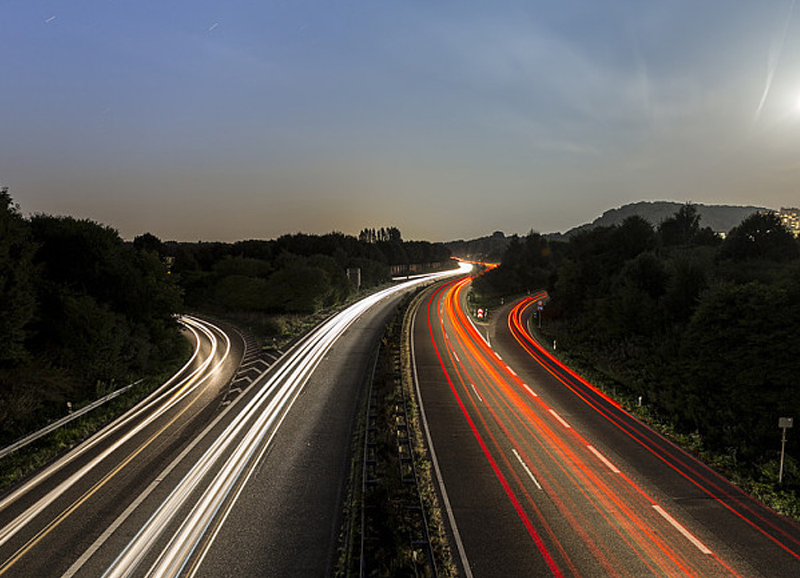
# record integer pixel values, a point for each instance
(480, 313)
(785, 422)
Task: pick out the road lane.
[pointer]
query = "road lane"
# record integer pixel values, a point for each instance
(769, 542)
(530, 488)
(47, 522)
(158, 493)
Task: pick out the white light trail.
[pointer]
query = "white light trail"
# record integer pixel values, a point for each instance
(162, 403)
(249, 430)
(774, 59)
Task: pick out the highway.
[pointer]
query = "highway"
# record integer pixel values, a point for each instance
(236, 466)
(52, 524)
(543, 475)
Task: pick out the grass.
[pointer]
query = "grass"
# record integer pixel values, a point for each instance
(389, 505)
(758, 480)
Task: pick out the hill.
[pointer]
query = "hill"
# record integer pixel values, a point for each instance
(720, 218)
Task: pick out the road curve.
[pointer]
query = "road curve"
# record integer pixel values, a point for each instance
(769, 542)
(50, 522)
(532, 485)
(222, 468)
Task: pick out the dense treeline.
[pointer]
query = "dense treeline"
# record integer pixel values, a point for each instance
(292, 274)
(81, 312)
(487, 249)
(705, 330)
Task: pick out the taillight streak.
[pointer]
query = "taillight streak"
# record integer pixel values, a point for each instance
(670, 454)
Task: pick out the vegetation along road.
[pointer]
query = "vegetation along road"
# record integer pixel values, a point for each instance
(543, 472)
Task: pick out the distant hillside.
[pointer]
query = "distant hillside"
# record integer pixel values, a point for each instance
(721, 218)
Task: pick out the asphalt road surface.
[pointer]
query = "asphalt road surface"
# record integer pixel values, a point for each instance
(57, 523)
(235, 467)
(545, 476)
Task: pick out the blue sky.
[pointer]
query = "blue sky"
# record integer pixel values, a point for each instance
(251, 119)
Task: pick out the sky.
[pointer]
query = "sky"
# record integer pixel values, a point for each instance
(228, 120)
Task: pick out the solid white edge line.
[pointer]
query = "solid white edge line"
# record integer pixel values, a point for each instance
(450, 516)
(686, 533)
(560, 419)
(475, 327)
(604, 459)
(318, 340)
(527, 470)
(144, 495)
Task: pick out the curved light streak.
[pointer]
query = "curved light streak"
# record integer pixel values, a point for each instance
(573, 473)
(156, 405)
(247, 437)
(701, 476)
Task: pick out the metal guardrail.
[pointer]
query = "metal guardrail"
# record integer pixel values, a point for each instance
(65, 420)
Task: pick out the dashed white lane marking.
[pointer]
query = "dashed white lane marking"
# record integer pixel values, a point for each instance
(604, 459)
(533, 393)
(511, 371)
(527, 470)
(456, 356)
(686, 533)
(475, 389)
(560, 419)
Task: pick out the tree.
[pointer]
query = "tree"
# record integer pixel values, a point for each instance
(17, 292)
(149, 242)
(106, 308)
(760, 236)
(634, 235)
(681, 228)
(738, 362)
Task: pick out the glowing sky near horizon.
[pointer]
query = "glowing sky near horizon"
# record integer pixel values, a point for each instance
(221, 120)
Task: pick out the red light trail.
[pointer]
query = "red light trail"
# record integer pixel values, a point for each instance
(583, 512)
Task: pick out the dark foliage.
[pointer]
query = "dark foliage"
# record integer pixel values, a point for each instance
(81, 312)
(17, 294)
(705, 331)
(297, 273)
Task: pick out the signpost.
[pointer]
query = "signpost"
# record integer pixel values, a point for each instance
(784, 423)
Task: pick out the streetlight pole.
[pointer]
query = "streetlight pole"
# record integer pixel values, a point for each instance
(784, 423)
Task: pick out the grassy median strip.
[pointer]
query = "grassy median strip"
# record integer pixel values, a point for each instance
(392, 521)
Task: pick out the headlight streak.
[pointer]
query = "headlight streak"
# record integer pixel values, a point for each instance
(700, 475)
(632, 522)
(261, 416)
(162, 402)
(101, 435)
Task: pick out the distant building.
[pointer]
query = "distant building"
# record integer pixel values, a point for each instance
(790, 217)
